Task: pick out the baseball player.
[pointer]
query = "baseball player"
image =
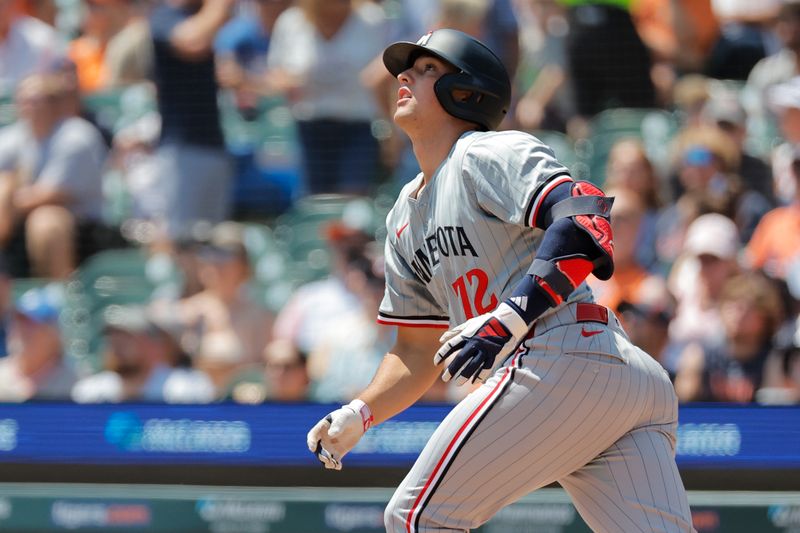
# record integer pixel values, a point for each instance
(493, 239)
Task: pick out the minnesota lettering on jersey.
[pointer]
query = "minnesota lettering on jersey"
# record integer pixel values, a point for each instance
(444, 241)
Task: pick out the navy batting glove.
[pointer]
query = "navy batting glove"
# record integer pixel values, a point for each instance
(472, 350)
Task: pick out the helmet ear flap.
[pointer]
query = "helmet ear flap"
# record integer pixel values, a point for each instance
(471, 109)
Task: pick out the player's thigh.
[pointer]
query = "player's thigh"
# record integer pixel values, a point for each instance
(634, 486)
(524, 429)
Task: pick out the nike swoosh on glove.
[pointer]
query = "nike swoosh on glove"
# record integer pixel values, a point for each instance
(332, 437)
(472, 350)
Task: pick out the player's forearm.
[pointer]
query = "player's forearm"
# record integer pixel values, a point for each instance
(398, 383)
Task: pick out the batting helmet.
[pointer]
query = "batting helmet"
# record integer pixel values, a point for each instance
(479, 71)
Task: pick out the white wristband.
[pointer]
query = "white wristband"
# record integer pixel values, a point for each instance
(362, 409)
(511, 319)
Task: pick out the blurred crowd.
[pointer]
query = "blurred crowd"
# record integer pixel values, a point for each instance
(706, 217)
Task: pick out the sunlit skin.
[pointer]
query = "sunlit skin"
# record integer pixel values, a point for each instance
(628, 167)
(37, 105)
(330, 15)
(36, 345)
(419, 114)
(746, 327)
(8, 12)
(790, 124)
(714, 272)
(417, 105)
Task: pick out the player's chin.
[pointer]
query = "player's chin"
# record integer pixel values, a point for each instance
(402, 117)
(403, 109)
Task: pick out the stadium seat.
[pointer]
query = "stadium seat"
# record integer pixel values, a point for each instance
(270, 266)
(564, 149)
(116, 109)
(111, 277)
(655, 127)
(8, 113)
(300, 231)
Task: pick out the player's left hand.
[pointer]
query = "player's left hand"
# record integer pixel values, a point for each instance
(336, 434)
(472, 350)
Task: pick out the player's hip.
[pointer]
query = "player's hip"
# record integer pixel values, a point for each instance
(582, 349)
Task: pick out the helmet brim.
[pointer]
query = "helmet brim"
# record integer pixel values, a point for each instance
(398, 56)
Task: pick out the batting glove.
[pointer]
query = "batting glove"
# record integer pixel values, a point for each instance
(336, 434)
(472, 350)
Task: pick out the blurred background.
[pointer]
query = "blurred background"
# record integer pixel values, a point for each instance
(192, 205)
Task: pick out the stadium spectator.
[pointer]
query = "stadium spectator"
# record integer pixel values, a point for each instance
(317, 53)
(128, 57)
(731, 368)
(647, 321)
(784, 101)
(286, 372)
(35, 368)
(44, 10)
(709, 260)
(549, 101)
(346, 358)
(72, 104)
(679, 33)
(469, 16)
(725, 112)
(629, 167)
(602, 32)
(500, 32)
(103, 20)
(5, 305)
(27, 46)
(775, 244)
(241, 52)
(627, 217)
(142, 349)
(227, 330)
(706, 163)
(186, 258)
(51, 191)
(780, 66)
(782, 369)
(193, 169)
(283, 377)
(745, 37)
(689, 96)
(306, 318)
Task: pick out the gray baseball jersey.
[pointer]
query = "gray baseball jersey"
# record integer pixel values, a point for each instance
(577, 404)
(463, 244)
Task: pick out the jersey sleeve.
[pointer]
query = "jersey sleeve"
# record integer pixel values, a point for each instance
(512, 173)
(406, 300)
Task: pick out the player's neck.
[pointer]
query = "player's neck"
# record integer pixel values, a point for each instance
(432, 147)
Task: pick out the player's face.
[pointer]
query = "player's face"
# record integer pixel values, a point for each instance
(416, 100)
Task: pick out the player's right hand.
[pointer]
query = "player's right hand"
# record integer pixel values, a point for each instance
(336, 434)
(473, 350)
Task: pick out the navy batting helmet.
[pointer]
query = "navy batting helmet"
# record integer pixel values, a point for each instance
(480, 71)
